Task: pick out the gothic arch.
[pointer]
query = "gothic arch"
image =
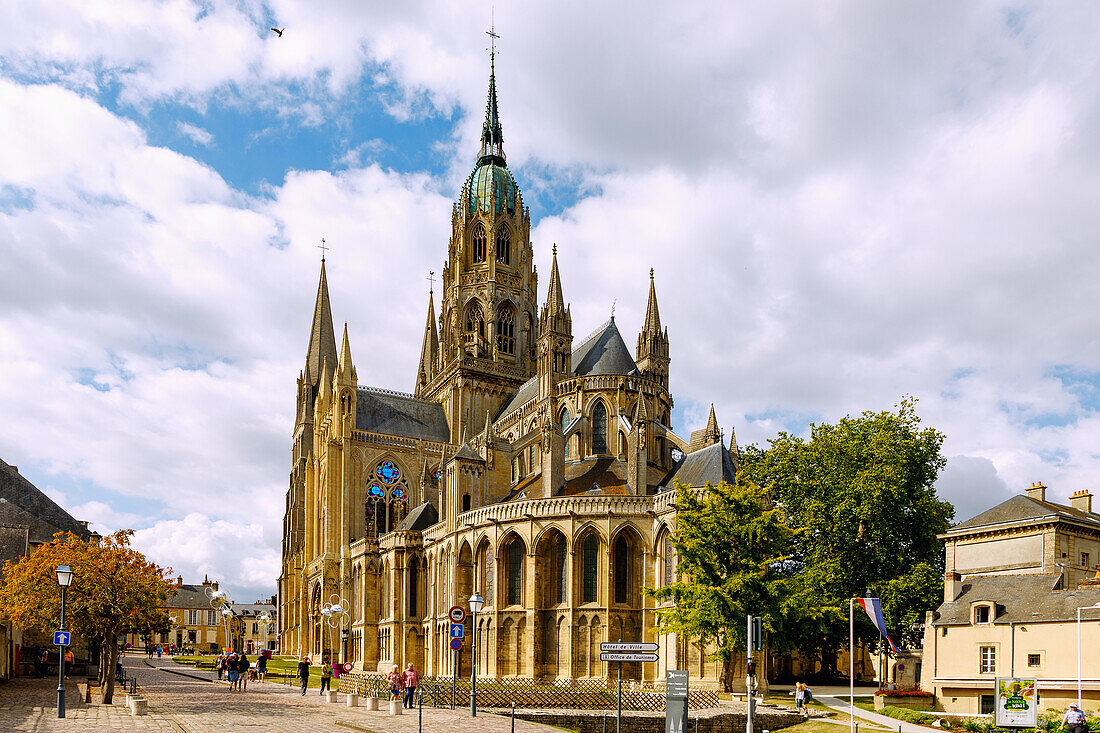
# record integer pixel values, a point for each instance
(502, 244)
(473, 319)
(551, 568)
(511, 557)
(599, 415)
(506, 328)
(478, 243)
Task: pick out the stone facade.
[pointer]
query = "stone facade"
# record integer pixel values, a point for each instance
(528, 466)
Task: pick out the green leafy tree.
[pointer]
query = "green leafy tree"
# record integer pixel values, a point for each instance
(728, 542)
(860, 496)
(115, 591)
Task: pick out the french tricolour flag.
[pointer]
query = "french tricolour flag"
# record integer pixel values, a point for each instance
(873, 607)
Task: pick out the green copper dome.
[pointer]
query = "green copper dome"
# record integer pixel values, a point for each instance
(491, 188)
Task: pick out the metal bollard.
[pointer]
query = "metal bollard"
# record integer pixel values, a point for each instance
(513, 718)
(420, 711)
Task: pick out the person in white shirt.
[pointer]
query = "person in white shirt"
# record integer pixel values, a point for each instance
(1074, 719)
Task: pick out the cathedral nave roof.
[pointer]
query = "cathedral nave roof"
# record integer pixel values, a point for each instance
(393, 413)
(707, 465)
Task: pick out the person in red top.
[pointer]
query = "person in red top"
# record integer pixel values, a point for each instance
(410, 679)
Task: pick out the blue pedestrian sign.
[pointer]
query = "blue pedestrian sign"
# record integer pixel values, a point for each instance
(61, 638)
(458, 631)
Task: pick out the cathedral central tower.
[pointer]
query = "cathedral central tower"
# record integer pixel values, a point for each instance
(487, 324)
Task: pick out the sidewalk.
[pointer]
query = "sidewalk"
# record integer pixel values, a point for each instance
(840, 704)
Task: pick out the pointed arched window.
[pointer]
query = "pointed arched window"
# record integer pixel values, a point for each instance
(413, 582)
(514, 568)
(479, 243)
(506, 331)
(599, 428)
(622, 570)
(474, 320)
(504, 246)
(566, 418)
(590, 559)
(557, 571)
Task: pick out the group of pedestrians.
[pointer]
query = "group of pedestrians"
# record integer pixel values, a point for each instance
(237, 669)
(402, 684)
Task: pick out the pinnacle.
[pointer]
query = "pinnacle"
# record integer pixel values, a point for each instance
(322, 340)
(652, 314)
(555, 302)
(712, 422)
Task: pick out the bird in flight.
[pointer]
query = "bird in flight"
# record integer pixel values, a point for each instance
(279, 31)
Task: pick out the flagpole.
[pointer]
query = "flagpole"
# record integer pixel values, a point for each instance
(851, 666)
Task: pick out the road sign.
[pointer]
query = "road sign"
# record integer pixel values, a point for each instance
(628, 657)
(676, 701)
(456, 644)
(628, 646)
(458, 631)
(457, 614)
(61, 638)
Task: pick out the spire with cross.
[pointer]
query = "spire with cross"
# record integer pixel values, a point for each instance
(324, 249)
(492, 137)
(431, 281)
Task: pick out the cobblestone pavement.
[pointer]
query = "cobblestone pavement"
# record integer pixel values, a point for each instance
(188, 705)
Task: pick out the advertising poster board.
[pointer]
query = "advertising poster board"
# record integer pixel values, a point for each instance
(1017, 703)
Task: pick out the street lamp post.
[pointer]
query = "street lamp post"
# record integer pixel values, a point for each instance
(336, 617)
(476, 602)
(64, 579)
(1079, 609)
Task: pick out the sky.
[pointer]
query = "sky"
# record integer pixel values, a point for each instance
(844, 203)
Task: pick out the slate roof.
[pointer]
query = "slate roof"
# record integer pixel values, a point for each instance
(381, 411)
(13, 543)
(1021, 508)
(711, 464)
(1018, 598)
(607, 473)
(420, 518)
(189, 596)
(253, 609)
(603, 352)
(21, 502)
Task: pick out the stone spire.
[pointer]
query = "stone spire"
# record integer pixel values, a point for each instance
(555, 302)
(492, 136)
(345, 370)
(714, 435)
(652, 352)
(429, 350)
(735, 452)
(554, 347)
(322, 339)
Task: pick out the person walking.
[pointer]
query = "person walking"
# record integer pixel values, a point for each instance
(800, 699)
(303, 673)
(394, 678)
(70, 660)
(219, 665)
(234, 672)
(326, 676)
(242, 669)
(410, 679)
(1074, 719)
(261, 668)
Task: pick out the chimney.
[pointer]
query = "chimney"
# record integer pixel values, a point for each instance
(214, 585)
(179, 581)
(1081, 500)
(15, 468)
(206, 580)
(952, 586)
(1037, 491)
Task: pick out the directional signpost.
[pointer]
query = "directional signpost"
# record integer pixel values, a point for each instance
(457, 615)
(676, 701)
(630, 651)
(61, 638)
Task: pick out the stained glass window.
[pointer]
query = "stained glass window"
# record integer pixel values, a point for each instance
(506, 331)
(514, 564)
(504, 246)
(388, 472)
(376, 490)
(590, 559)
(479, 243)
(557, 572)
(622, 570)
(474, 321)
(413, 578)
(566, 418)
(398, 493)
(599, 428)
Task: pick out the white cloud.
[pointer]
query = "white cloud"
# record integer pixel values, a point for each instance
(842, 206)
(196, 134)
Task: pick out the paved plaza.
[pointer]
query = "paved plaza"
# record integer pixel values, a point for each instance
(189, 705)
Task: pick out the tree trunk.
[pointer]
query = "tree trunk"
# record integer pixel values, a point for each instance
(110, 657)
(727, 672)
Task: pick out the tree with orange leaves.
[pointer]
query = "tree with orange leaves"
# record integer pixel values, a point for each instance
(115, 591)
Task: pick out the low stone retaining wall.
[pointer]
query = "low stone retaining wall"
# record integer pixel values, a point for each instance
(912, 702)
(713, 720)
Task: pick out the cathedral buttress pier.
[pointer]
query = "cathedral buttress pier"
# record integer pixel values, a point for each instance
(527, 465)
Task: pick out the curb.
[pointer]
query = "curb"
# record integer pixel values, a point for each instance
(175, 671)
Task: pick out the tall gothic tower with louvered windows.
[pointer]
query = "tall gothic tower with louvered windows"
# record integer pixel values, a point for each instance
(529, 465)
(488, 307)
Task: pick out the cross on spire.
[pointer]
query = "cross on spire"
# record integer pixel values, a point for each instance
(323, 249)
(431, 281)
(493, 35)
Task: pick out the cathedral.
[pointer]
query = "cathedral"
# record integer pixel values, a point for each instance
(528, 466)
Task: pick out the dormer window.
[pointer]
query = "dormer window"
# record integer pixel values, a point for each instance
(983, 614)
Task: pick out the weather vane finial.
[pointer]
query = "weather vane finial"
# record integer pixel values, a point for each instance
(493, 36)
(323, 249)
(431, 281)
